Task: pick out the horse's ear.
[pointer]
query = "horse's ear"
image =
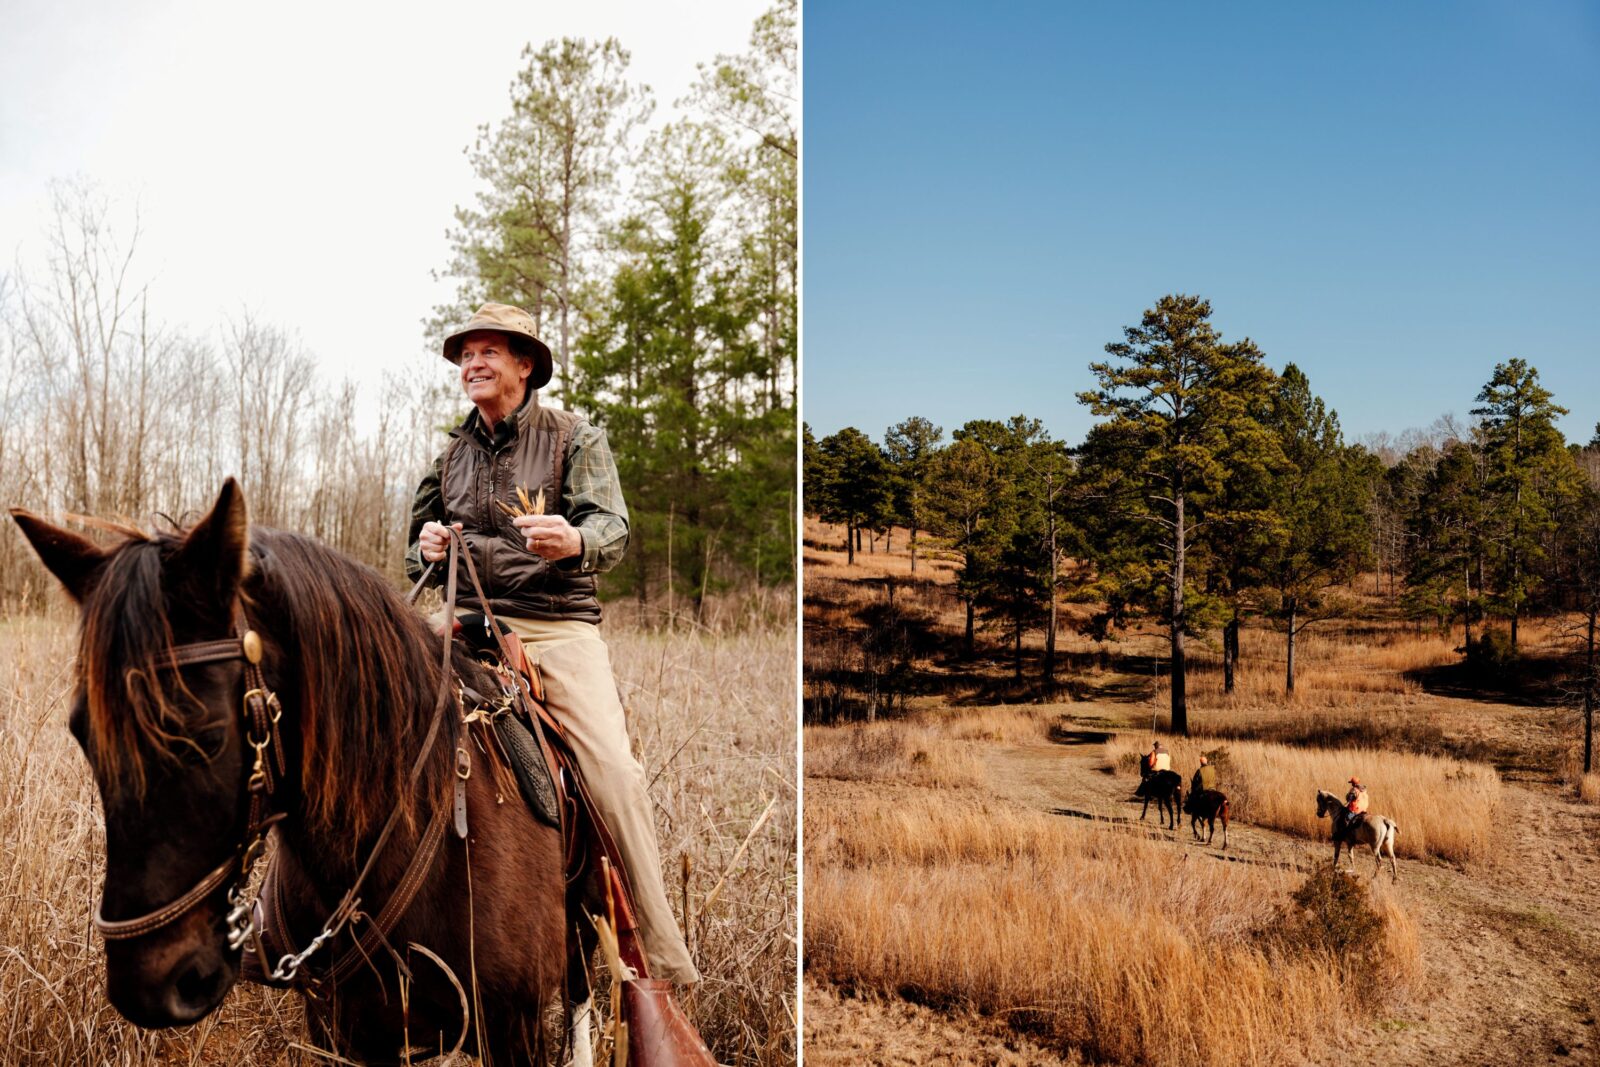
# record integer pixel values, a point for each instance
(74, 560)
(217, 549)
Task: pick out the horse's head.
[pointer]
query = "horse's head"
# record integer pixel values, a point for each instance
(1326, 802)
(167, 747)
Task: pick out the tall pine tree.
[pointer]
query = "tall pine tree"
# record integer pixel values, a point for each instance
(1173, 397)
(1525, 454)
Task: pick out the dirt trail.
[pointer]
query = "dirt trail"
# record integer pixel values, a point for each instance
(1511, 947)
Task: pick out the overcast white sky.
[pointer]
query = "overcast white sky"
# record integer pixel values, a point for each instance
(301, 159)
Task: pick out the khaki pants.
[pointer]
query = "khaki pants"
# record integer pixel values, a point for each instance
(581, 692)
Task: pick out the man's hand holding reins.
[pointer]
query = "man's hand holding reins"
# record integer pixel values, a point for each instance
(550, 536)
(435, 540)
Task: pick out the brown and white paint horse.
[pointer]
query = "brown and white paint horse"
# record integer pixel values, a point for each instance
(1376, 831)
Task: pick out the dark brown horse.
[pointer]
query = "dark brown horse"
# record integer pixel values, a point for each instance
(1166, 789)
(356, 671)
(1208, 805)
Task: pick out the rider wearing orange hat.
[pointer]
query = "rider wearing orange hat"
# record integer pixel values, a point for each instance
(1356, 803)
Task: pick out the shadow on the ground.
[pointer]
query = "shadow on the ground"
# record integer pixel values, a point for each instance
(1533, 681)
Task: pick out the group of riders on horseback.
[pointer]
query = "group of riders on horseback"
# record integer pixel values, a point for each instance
(1159, 782)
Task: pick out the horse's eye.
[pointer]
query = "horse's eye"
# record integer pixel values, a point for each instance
(207, 744)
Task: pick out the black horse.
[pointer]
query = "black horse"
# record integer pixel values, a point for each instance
(1166, 789)
(1208, 805)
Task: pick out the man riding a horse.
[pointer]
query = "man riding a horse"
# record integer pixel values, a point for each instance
(1159, 782)
(1204, 780)
(1157, 759)
(1355, 803)
(1353, 826)
(538, 564)
(1206, 802)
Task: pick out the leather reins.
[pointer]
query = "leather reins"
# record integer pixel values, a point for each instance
(262, 712)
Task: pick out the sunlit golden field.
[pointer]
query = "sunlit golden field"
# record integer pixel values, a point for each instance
(713, 720)
(1102, 941)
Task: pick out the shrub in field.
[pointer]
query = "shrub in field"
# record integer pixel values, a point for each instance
(1333, 913)
(1490, 652)
(1334, 916)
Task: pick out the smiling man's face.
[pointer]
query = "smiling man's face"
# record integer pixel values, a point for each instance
(492, 375)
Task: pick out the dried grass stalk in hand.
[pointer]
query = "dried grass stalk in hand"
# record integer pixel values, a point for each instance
(525, 506)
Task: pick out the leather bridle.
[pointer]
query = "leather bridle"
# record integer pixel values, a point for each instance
(262, 712)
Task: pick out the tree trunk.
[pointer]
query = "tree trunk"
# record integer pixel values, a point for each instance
(1180, 701)
(1289, 676)
(1466, 608)
(1050, 618)
(1589, 693)
(1516, 551)
(1516, 611)
(850, 544)
(1017, 653)
(1230, 651)
(968, 642)
(913, 544)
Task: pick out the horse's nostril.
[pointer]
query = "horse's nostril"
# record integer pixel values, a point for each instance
(197, 990)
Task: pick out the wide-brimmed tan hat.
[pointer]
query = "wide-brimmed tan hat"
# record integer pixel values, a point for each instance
(515, 324)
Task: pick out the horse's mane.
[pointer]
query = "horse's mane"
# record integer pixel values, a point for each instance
(360, 673)
(368, 667)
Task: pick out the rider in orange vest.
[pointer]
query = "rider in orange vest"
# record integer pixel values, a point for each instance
(1158, 759)
(1356, 804)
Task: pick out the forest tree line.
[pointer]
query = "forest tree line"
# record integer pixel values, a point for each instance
(658, 262)
(1212, 490)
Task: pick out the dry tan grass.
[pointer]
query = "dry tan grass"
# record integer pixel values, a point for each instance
(931, 747)
(826, 556)
(713, 719)
(1006, 723)
(1589, 788)
(1337, 665)
(1443, 807)
(1091, 939)
(890, 752)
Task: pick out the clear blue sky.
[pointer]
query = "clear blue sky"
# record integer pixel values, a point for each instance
(1393, 196)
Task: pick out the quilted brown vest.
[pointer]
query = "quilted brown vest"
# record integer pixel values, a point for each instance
(519, 583)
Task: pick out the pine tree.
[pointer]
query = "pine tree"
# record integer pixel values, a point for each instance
(1014, 548)
(1525, 452)
(1578, 576)
(853, 487)
(1172, 403)
(1450, 531)
(961, 502)
(911, 446)
(547, 169)
(1320, 502)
